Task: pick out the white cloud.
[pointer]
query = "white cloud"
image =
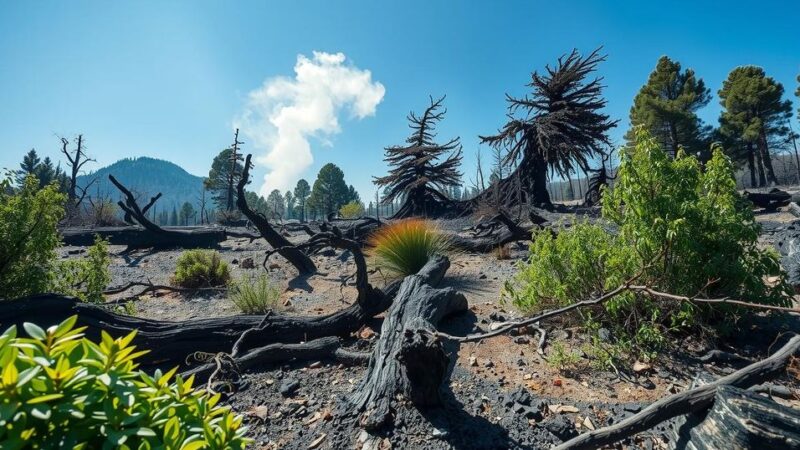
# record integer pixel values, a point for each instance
(280, 116)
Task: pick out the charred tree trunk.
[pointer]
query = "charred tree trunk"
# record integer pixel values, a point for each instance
(138, 237)
(297, 258)
(509, 231)
(407, 362)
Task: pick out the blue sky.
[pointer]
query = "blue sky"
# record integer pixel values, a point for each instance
(169, 79)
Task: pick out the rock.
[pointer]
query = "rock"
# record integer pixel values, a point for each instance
(366, 333)
(439, 434)
(522, 340)
(588, 423)
(473, 361)
(632, 408)
(258, 411)
(497, 317)
(527, 376)
(234, 261)
(521, 396)
(648, 384)
(604, 335)
(247, 263)
(315, 365)
(289, 387)
(488, 363)
(561, 428)
(640, 367)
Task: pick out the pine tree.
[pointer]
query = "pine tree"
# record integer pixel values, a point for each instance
(754, 114)
(289, 200)
(330, 191)
(28, 166)
(275, 204)
(219, 178)
(667, 107)
(301, 192)
(556, 129)
(187, 211)
(417, 173)
(173, 217)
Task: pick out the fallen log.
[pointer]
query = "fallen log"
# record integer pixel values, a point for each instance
(171, 342)
(741, 419)
(697, 399)
(407, 361)
(794, 209)
(769, 201)
(297, 258)
(140, 237)
(481, 242)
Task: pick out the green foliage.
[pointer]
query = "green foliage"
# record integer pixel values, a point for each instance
(403, 247)
(255, 295)
(686, 230)
(275, 204)
(85, 278)
(352, 210)
(330, 191)
(666, 106)
(301, 192)
(201, 268)
(43, 170)
(222, 179)
(561, 358)
(28, 237)
(61, 390)
(187, 213)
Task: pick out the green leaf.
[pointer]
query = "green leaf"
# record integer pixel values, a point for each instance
(34, 331)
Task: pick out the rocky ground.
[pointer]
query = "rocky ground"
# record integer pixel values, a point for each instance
(503, 393)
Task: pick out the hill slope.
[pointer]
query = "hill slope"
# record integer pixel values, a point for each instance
(146, 177)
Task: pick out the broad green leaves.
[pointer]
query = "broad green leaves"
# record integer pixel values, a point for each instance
(60, 390)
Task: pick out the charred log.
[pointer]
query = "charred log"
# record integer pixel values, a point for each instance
(769, 201)
(501, 231)
(297, 258)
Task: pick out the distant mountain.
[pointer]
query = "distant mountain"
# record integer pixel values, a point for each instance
(146, 177)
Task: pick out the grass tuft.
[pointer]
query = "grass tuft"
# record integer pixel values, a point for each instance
(403, 247)
(255, 295)
(201, 268)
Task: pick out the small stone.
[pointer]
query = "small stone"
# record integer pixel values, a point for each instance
(366, 333)
(439, 434)
(527, 376)
(488, 363)
(289, 387)
(248, 263)
(561, 428)
(604, 335)
(632, 408)
(473, 361)
(588, 423)
(315, 365)
(522, 340)
(640, 367)
(234, 261)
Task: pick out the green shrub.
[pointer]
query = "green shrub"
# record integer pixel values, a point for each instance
(403, 247)
(683, 225)
(85, 278)
(201, 268)
(60, 390)
(28, 237)
(255, 295)
(352, 210)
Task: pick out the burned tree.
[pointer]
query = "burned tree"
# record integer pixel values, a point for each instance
(555, 129)
(75, 160)
(598, 179)
(417, 175)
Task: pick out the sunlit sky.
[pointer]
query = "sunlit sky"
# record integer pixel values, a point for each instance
(171, 79)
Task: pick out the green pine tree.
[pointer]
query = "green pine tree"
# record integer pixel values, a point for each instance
(667, 107)
(173, 217)
(330, 191)
(754, 116)
(218, 181)
(301, 192)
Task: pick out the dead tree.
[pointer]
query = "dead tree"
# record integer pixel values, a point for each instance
(417, 175)
(75, 161)
(151, 235)
(235, 158)
(296, 257)
(598, 179)
(496, 232)
(557, 128)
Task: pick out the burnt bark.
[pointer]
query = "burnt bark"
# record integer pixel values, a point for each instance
(408, 362)
(297, 258)
(504, 231)
(693, 400)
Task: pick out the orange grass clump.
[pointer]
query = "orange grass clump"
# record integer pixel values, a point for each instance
(403, 247)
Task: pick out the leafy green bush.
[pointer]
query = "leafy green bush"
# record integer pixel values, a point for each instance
(201, 268)
(352, 210)
(403, 247)
(60, 390)
(28, 237)
(687, 230)
(255, 295)
(85, 278)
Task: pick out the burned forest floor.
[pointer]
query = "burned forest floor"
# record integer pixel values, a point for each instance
(503, 392)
